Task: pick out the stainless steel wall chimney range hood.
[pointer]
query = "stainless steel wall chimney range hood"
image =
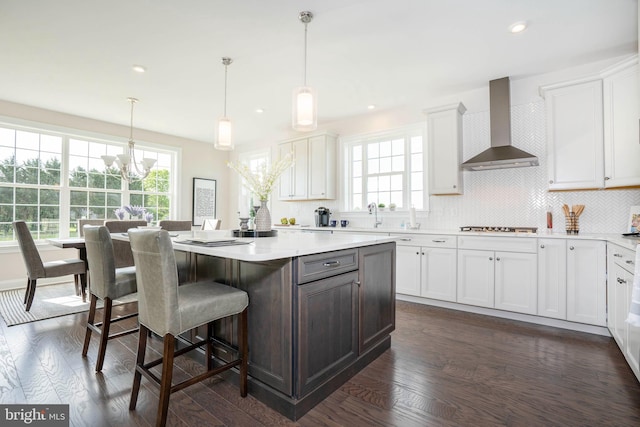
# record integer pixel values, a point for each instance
(501, 154)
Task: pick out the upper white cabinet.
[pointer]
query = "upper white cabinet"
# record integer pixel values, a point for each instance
(444, 139)
(621, 114)
(592, 130)
(313, 174)
(575, 155)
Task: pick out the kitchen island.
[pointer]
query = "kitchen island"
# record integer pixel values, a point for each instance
(321, 307)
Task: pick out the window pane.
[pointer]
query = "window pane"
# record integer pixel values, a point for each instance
(356, 185)
(49, 197)
(78, 198)
(373, 150)
(396, 183)
(26, 196)
(385, 149)
(357, 169)
(384, 183)
(28, 140)
(385, 164)
(416, 162)
(372, 184)
(356, 152)
(78, 148)
(397, 147)
(397, 163)
(356, 201)
(416, 144)
(6, 195)
(396, 197)
(416, 181)
(416, 199)
(7, 137)
(373, 166)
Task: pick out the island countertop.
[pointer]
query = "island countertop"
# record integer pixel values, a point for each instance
(284, 245)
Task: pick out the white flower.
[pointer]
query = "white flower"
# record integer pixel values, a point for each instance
(261, 182)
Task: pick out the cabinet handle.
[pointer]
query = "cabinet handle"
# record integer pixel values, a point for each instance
(422, 253)
(417, 253)
(606, 178)
(331, 263)
(619, 280)
(438, 241)
(571, 248)
(618, 255)
(357, 282)
(550, 181)
(497, 258)
(541, 246)
(629, 261)
(490, 258)
(406, 239)
(455, 186)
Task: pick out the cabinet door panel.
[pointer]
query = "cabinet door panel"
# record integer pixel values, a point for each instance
(377, 299)
(322, 174)
(587, 282)
(575, 155)
(327, 313)
(552, 278)
(444, 138)
(439, 273)
(516, 282)
(408, 270)
(476, 277)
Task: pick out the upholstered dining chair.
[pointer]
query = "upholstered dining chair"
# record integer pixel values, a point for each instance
(36, 269)
(108, 283)
(84, 221)
(121, 248)
(174, 225)
(169, 310)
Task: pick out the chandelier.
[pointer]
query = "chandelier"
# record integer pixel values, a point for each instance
(130, 170)
(305, 100)
(224, 141)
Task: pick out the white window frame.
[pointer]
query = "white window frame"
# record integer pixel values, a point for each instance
(66, 134)
(404, 132)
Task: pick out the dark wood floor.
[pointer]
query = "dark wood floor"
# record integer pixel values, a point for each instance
(445, 368)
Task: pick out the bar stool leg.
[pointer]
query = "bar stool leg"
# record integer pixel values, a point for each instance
(90, 321)
(244, 350)
(137, 376)
(165, 382)
(104, 334)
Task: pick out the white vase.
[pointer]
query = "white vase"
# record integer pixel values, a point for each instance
(263, 217)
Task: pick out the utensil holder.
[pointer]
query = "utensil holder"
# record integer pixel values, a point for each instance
(572, 224)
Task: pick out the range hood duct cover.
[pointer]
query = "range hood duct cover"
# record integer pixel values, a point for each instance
(501, 154)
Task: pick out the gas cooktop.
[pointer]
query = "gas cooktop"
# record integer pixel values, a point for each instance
(480, 229)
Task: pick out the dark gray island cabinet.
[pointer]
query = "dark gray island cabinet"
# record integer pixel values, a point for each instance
(315, 320)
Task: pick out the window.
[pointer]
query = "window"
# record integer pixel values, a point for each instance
(50, 180)
(247, 201)
(386, 168)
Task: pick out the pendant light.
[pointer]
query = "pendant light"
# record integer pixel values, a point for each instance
(224, 141)
(305, 99)
(130, 170)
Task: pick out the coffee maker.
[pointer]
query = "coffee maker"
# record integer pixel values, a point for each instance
(322, 217)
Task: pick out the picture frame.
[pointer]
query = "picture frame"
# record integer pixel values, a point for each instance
(204, 199)
(634, 220)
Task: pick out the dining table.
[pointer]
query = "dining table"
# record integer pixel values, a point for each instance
(76, 243)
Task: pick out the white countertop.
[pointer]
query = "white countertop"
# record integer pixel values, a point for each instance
(617, 238)
(284, 245)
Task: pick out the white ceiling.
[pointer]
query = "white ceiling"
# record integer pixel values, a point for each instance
(75, 56)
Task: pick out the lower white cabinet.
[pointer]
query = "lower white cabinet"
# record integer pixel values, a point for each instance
(621, 267)
(552, 278)
(587, 281)
(426, 266)
(502, 279)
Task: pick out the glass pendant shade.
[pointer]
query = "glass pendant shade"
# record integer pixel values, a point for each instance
(224, 140)
(305, 109)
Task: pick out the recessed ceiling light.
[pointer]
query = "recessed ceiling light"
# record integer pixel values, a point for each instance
(139, 69)
(259, 110)
(371, 107)
(518, 27)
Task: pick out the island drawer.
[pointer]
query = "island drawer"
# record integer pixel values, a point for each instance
(319, 266)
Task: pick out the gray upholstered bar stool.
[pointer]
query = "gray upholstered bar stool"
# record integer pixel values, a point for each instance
(170, 310)
(36, 269)
(107, 283)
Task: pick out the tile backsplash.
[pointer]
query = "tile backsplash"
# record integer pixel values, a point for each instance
(517, 197)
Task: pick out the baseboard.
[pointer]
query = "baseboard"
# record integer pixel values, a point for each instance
(546, 321)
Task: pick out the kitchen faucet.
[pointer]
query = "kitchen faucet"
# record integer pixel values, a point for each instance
(373, 208)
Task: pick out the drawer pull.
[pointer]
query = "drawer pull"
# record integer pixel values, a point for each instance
(438, 241)
(621, 280)
(357, 282)
(618, 255)
(331, 263)
(541, 246)
(490, 258)
(571, 248)
(629, 261)
(405, 239)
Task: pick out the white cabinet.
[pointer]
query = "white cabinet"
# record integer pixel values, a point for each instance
(621, 113)
(592, 130)
(552, 278)
(587, 282)
(426, 266)
(621, 272)
(444, 139)
(498, 273)
(313, 174)
(575, 156)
